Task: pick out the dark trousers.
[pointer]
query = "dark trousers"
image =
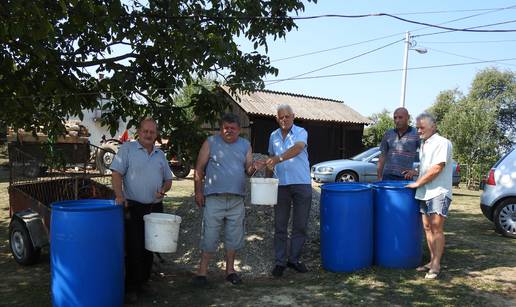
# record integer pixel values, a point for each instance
(299, 198)
(387, 177)
(138, 260)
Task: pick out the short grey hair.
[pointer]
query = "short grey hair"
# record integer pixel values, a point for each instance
(285, 107)
(230, 118)
(428, 117)
(148, 119)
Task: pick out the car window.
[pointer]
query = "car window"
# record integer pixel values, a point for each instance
(366, 154)
(505, 156)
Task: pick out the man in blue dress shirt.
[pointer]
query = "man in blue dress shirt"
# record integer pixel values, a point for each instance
(289, 160)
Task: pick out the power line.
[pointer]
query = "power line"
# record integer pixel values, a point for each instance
(335, 48)
(396, 34)
(471, 29)
(451, 11)
(464, 56)
(469, 42)
(348, 59)
(471, 16)
(391, 70)
(204, 18)
(289, 79)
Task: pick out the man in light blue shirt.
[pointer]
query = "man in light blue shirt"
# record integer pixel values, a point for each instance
(141, 177)
(289, 159)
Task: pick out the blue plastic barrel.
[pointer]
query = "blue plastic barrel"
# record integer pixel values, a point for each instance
(346, 226)
(398, 232)
(87, 253)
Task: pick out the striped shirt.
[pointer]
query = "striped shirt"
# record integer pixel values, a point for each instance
(400, 151)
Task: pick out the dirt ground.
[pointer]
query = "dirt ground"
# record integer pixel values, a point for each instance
(479, 269)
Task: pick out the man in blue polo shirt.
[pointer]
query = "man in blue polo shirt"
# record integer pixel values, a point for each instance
(141, 177)
(399, 149)
(289, 159)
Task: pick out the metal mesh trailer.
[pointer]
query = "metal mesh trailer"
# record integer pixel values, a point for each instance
(41, 174)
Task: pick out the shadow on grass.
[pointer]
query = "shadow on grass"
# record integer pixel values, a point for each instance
(22, 285)
(472, 245)
(4, 174)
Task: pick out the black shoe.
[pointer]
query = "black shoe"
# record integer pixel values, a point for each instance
(131, 297)
(299, 267)
(278, 270)
(234, 279)
(200, 281)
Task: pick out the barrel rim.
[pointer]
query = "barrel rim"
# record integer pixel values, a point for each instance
(85, 205)
(391, 184)
(158, 217)
(357, 186)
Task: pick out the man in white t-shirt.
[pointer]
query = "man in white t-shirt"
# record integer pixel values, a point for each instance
(434, 189)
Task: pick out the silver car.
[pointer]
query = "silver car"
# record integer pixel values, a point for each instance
(498, 201)
(361, 167)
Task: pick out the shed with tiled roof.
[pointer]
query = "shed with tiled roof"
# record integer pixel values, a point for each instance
(334, 129)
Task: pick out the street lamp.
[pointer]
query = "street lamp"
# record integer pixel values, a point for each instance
(409, 44)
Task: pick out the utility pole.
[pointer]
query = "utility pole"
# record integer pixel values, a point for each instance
(404, 76)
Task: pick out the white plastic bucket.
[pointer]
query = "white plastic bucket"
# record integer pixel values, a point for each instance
(161, 232)
(264, 191)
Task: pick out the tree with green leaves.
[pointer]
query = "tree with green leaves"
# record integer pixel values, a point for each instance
(444, 101)
(373, 134)
(498, 89)
(51, 53)
(185, 142)
(481, 124)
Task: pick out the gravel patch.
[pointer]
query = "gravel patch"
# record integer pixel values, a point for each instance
(257, 257)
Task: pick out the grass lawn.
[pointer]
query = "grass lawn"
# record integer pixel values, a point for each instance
(479, 270)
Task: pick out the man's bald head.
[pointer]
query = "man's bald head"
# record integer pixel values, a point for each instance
(401, 118)
(401, 110)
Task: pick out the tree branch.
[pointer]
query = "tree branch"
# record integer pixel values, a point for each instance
(82, 50)
(104, 61)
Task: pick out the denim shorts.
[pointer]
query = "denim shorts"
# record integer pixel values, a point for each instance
(438, 205)
(223, 210)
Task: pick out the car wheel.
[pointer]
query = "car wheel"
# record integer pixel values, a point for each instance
(347, 176)
(505, 217)
(105, 156)
(21, 245)
(182, 170)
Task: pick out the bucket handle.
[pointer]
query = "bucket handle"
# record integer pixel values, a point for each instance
(273, 172)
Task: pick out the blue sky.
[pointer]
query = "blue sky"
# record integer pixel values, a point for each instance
(371, 93)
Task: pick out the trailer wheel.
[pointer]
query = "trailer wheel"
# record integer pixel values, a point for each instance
(105, 156)
(21, 244)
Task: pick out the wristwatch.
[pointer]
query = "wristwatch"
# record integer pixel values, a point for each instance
(281, 158)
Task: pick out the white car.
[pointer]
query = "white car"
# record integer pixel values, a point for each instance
(498, 201)
(361, 167)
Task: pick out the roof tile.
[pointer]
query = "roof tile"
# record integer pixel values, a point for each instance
(265, 102)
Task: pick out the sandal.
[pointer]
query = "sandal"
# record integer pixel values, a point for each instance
(234, 279)
(432, 274)
(423, 268)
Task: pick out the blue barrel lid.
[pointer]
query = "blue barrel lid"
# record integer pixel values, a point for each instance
(85, 205)
(346, 187)
(391, 184)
